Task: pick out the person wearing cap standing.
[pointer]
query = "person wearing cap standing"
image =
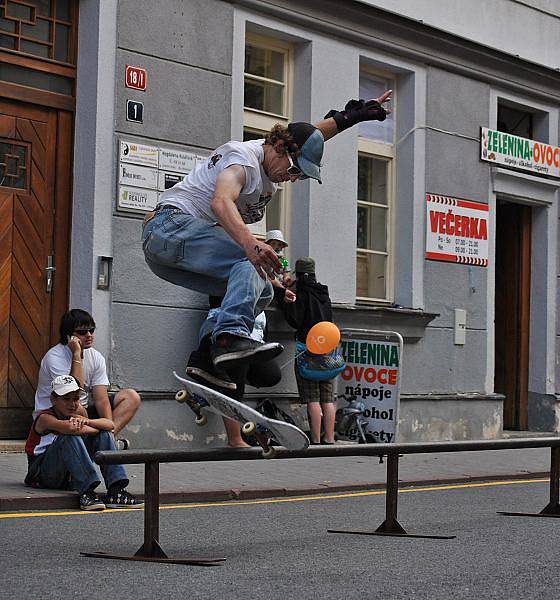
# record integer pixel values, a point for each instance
(60, 448)
(312, 306)
(198, 238)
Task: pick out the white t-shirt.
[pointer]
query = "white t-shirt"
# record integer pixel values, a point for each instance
(193, 194)
(58, 361)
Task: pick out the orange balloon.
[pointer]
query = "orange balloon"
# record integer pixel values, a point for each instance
(323, 337)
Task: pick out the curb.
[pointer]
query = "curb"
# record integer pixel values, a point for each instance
(68, 500)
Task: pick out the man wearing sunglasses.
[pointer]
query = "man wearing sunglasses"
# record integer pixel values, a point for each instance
(198, 236)
(75, 355)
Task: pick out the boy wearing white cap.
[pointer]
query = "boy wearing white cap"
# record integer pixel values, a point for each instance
(61, 445)
(275, 239)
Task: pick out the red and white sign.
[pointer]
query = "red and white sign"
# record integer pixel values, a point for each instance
(456, 230)
(136, 78)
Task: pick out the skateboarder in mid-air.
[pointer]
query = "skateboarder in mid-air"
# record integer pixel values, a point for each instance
(198, 238)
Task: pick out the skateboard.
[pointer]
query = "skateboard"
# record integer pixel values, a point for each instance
(200, 398)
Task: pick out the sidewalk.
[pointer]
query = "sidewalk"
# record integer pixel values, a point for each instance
(197, 482)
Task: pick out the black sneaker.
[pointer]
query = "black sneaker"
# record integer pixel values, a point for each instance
(122, 499)
(229, 348)
(90, 501)
(201, 368)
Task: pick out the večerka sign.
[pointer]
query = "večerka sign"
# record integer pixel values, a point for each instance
(518, 152)
(372, 374)
(456, 230)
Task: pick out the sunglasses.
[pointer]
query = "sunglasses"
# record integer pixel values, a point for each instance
(85, 331)
(293, 169)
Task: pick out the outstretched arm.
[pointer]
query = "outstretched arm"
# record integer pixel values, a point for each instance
(354, 112)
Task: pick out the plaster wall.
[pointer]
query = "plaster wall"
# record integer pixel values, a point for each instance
(454, 169)
(434, 420)
(435, 365)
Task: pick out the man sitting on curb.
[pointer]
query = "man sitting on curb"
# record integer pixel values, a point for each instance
(60, 447)
(74, 355)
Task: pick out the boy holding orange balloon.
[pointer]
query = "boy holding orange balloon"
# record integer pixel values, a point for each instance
(311, 316)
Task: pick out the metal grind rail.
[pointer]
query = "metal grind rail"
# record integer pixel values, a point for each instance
(151, 550)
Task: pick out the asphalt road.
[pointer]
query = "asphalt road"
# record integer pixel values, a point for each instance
(280, 549)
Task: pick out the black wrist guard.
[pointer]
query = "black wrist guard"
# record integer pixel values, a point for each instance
(357, 111)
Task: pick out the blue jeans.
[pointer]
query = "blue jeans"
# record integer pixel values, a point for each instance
(201, 256)
(71, 455)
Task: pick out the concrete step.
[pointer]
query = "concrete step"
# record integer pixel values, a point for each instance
(512, 434)
(17, 446)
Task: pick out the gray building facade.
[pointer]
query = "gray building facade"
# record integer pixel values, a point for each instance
(447, 86)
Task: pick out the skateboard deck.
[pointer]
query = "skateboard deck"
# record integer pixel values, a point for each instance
(201, 398)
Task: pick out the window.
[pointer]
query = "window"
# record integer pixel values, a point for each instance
(375, 197)
(265, 80)
(267, 102)
(14, 164)
(43, 28)
(514, 121)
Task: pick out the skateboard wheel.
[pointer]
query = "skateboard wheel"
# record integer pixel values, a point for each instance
(202, 420)
(269, 453)
(249, 428)
(181, 396)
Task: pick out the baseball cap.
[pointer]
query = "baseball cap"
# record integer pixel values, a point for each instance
(305, 264)
(275, 234)
(310, 143)
(64, 384)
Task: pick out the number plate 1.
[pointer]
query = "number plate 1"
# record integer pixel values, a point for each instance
(135, 111)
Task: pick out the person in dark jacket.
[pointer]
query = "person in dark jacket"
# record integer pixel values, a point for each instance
(312, 306)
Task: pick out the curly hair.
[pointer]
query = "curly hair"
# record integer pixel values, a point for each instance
(281, 133)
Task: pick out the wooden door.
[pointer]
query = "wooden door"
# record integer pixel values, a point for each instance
(512, 302)
(34, 202)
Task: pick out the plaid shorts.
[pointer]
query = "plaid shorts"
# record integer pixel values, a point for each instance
(315, 391)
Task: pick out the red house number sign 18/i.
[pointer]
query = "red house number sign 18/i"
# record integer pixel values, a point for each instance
(136, 78)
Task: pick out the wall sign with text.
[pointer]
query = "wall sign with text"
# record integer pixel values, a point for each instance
(138, 199)
(514, 151)
(456, 230)
(372, 375)
(145, 171)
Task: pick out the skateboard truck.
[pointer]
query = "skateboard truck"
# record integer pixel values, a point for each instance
(261, 436)
(194, 404)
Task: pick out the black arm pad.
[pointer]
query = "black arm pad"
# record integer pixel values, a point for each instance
(357, 111)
